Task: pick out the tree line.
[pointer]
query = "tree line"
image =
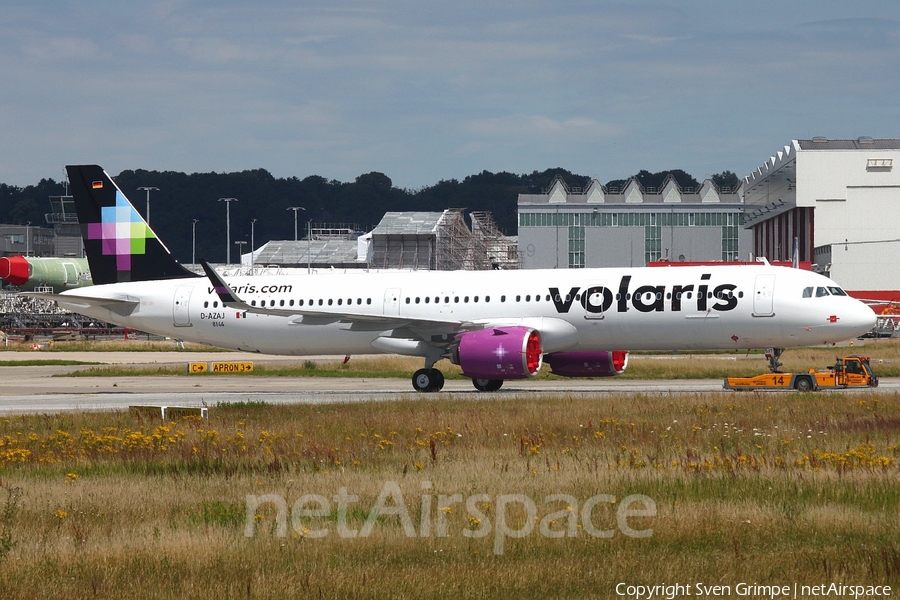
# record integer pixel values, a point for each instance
(181, 198)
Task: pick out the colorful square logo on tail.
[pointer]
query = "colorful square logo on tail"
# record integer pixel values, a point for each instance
(122, 232)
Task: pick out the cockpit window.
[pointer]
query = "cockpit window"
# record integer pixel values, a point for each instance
(836, 291)
(807, 292)
(821, 292)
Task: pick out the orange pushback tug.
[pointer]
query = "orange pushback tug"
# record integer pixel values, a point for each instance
(849, 371)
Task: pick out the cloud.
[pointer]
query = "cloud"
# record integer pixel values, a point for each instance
(60, 50)
(535, 127)
(425, 91)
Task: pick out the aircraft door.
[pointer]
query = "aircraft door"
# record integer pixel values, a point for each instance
(181, 305)
(392, 302)
(71, 274)
(597, 299)
(763, 295)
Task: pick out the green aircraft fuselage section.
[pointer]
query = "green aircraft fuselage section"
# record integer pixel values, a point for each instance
(29, 273)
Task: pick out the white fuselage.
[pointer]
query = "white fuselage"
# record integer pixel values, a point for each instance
(662, 308)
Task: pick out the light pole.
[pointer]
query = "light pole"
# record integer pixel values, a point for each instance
(252, 246)
(147, 189)
(194, 241)
(308, 249)
(228, 202)
(240, 244)
(295, 209)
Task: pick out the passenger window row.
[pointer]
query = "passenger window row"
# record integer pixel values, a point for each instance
(301, 302)
(473, 299)
(807, 292)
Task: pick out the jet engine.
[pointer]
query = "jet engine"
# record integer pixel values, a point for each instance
(499, 353)
(588, 364)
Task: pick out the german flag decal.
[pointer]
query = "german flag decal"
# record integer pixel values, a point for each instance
(97, 185)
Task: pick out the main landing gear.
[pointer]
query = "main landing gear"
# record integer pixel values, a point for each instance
(428, 380)
(432, 380)
(487, 385)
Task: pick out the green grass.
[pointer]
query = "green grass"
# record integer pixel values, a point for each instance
(38, 362)
(132, 345)
(367, 368)
(755, 488)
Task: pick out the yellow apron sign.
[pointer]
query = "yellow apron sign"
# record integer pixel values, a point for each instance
(231, 367)
(220, 367)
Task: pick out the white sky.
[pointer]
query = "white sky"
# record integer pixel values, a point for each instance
(423, 90)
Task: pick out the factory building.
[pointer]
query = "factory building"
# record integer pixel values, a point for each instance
(630, 226)
(26, 240)
(838, 199)
(402, 240)
(325, 246)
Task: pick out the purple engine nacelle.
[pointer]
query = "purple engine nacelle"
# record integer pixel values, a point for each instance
(499, 353)
(604, 363)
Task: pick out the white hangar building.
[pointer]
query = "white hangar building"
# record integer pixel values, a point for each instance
(630, 226)
(839, 199)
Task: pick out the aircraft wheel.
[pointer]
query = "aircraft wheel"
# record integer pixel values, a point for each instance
(438, 378)
(428, 380)
(487, 385)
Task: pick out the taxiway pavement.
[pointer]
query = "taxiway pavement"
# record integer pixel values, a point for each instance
(40, 388)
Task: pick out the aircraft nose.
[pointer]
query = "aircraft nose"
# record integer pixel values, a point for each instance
(14, 269)
(860, 319)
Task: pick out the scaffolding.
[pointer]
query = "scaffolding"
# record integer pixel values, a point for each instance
(405, 240)
(333, 231)
(64, 221)
(501, 251)
(401, 240)
(455, 246)
(442, 242)
(22, 314)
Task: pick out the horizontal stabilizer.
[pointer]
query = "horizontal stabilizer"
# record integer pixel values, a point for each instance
(123, 306)
(87, 300)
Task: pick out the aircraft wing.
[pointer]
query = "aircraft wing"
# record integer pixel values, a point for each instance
(122, 305)
(357, 321)
(122, 302)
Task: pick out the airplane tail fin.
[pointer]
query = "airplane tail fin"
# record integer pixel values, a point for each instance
(119, 244)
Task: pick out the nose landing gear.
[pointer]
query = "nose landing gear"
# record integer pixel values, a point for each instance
(773, 354)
